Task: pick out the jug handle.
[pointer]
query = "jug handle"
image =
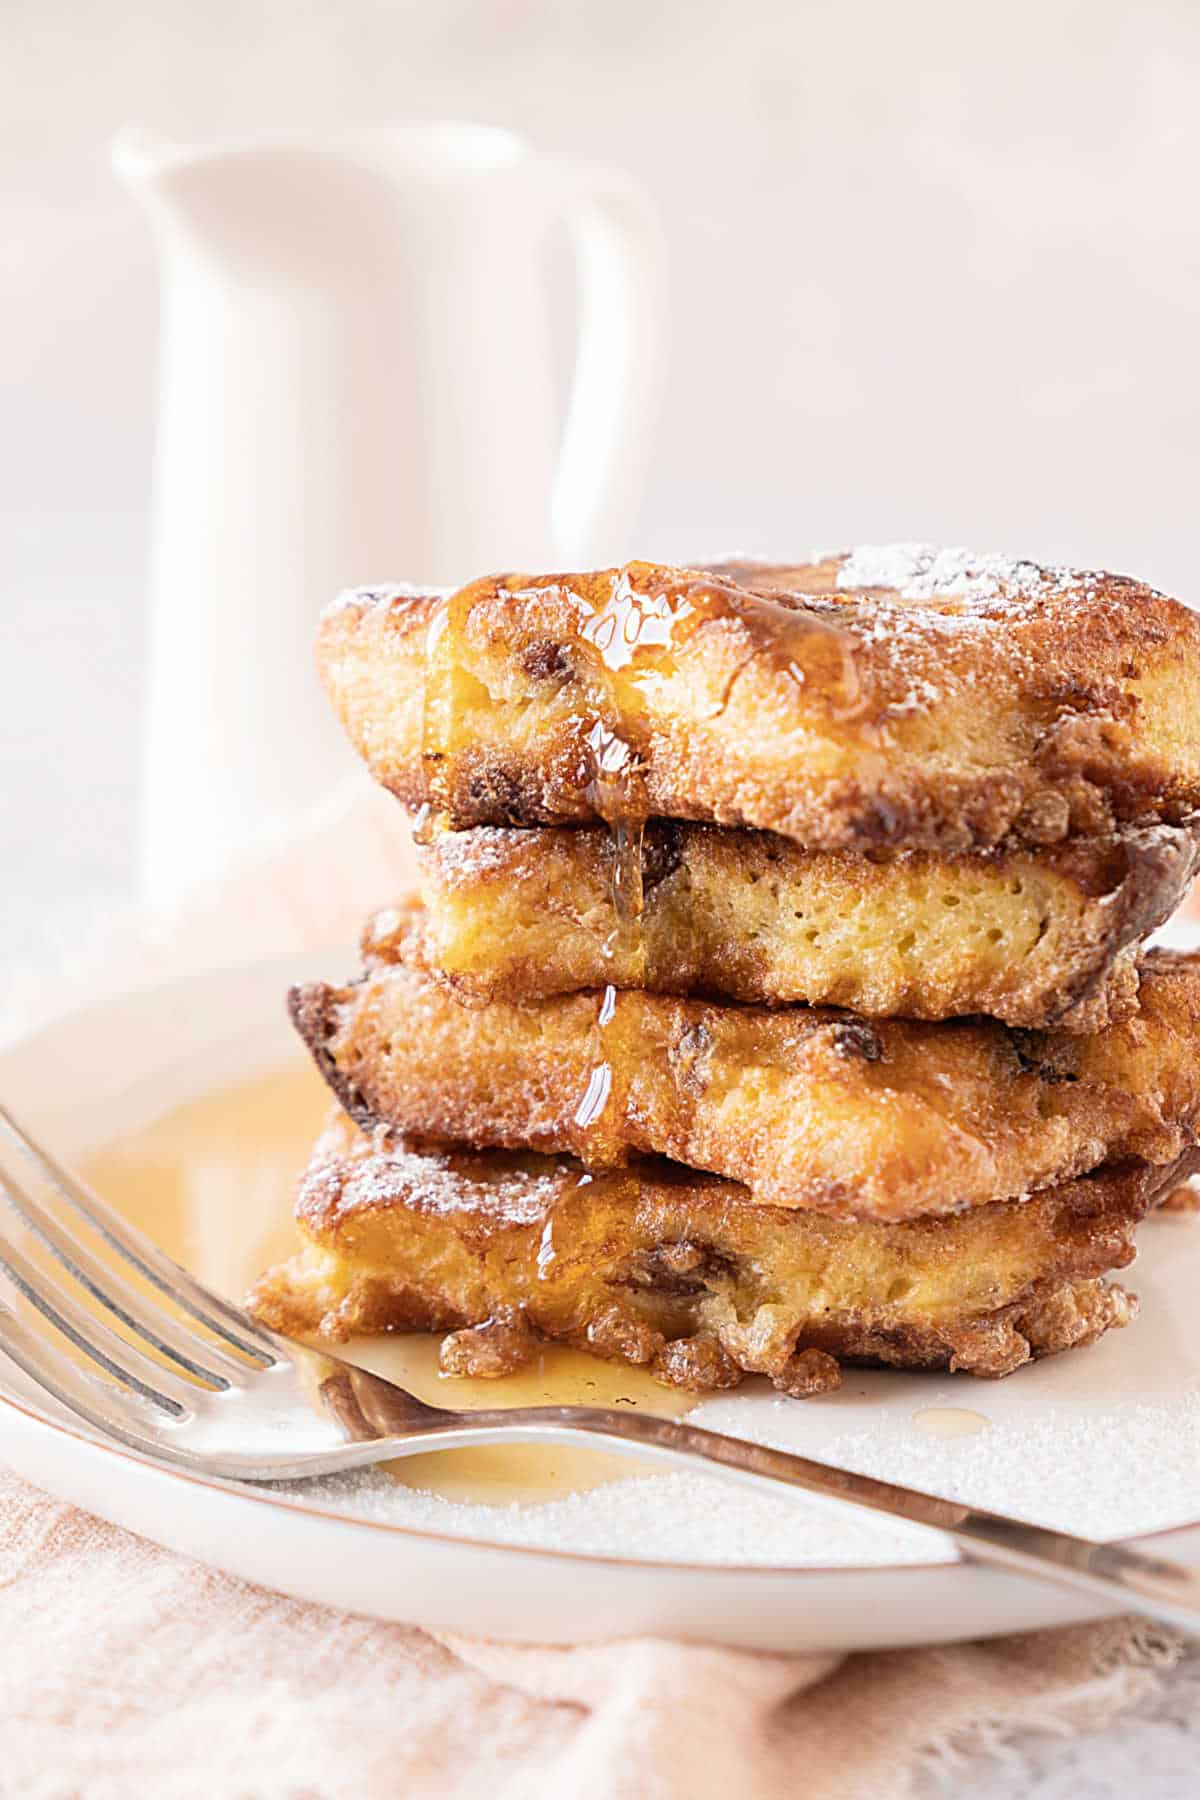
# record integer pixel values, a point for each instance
(617, 385)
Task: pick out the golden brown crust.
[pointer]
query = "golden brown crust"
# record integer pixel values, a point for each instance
(684, 1273)
(899, 698)
(1034, 939)
(811, 1108)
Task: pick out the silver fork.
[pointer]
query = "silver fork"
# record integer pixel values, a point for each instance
(190, 1379)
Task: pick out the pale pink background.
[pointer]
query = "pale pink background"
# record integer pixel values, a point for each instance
(936, 272)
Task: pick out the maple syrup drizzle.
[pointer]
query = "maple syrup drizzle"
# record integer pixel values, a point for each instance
(445, 677)
(547, 1255)
(616, 792)
(950, 1421)
(212, 1182)
(549, 1265)
(620, 632)
(629, 623)
(635, 633)
(425, 824)
(614, 789)
(629, 630)
(591, 1109)
(594, 1187)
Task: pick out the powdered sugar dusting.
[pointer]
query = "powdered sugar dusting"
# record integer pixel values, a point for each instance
(928, 572)
(430, 1182)
(361, 599)
(388, 922)
(466, 855)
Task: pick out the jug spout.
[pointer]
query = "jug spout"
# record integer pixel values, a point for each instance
(139, 156)
(174, 180)
(237, 197)
(276, 184)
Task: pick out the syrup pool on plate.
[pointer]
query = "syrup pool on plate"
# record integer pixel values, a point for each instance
(950, 1421)
(211, 1181)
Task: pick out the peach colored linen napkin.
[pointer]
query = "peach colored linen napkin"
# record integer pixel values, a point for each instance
(126, 1669)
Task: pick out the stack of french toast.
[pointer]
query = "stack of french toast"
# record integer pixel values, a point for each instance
(775, 997)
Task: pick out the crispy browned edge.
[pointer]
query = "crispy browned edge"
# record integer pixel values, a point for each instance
(1141, 873)
(1068, 1306)
(315, 1011)
(1081, 776)
(318, 1012)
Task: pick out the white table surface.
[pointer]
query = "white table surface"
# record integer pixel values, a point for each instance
(1152, 1753)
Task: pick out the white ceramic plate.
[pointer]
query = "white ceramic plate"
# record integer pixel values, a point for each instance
(1105, 1442)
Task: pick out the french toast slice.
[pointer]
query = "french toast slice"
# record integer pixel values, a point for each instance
(807, 1106)
(902, 697)
(684, 1274)
(1034, 939)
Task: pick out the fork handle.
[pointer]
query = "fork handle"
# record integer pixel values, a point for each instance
(1128, 1579)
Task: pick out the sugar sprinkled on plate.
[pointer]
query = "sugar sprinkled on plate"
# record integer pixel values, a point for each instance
(1042, 1468)
(663, 1518)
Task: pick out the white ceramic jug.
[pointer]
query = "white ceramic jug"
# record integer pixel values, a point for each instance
(357, 385)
